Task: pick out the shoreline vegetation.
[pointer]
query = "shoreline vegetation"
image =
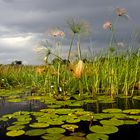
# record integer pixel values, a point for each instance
(111, 75)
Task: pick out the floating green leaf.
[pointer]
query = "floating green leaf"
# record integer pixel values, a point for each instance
(136, 97)
(124, 96)
(39, 125)
(90, 101)
(132, 111)
(63, 111)
(14, 133)
(55, 122)
(4, 119)
(21, 122)
(134, 117)
(15, 127)
(79, 134)
(70, 127)
(34, 97)
(105, 99)
(119, 115)
(76, 104)
(97, 136)
(100, 116)
(73, 120)
(105, 129)
(112, 110)
(55, 130)
(54, 136)
(35, 132)
(54, 106)
(111, 122)
(130, 122)
(72, 138)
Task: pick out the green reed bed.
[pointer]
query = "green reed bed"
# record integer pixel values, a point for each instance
(111, 75)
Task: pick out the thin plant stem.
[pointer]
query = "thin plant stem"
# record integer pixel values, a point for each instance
(71, 46)
(79, 47)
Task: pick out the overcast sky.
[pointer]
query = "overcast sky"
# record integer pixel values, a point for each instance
(23, 24)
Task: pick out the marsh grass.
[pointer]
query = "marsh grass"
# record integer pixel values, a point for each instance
(110, 75)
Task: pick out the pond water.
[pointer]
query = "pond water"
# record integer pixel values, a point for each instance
(125, 131)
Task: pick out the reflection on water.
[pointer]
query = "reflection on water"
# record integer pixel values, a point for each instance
(124, 103)
(9, 107)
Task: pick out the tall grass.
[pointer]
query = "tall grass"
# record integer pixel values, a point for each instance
(110, 75)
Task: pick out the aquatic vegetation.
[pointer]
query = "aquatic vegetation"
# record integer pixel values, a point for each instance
(52, 136)
(97, 136)
(35, 132)
(114, 122)
(54, 130)
(105, 129)
(14, 133)
(48, 123)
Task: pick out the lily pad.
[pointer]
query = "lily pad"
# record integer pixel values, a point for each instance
(72, 138)
(34, 97)
(63, 111)
(21, 122)
(100, 116)
(70, 127)
(105, 99)
(105, 129)
(123, 96)
(4, 119)
(35, 132)
(24, 118)
(39, 125)
(14, 133)
(54, 136)
(76, 104)
(112, 110)
(55, 130)
(97, 136)
(16, 100)
(18, 113)
(134, 117)
(130, 122)
(136, 97)
(86, 118)
(90, 101)
(8, 116)
(73, 120)
(119, 116)
(55, 122)
(111, 122)
(15, 127)
(132, 111)
(109, 101)
(54, 106)
(79, 134)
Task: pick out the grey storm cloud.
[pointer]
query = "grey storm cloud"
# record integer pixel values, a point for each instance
(21, 18)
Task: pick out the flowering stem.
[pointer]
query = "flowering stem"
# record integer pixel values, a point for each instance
(71, 46)
(79, 47)
(113, 38)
